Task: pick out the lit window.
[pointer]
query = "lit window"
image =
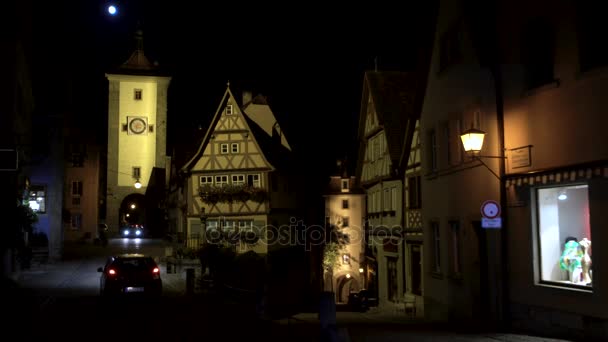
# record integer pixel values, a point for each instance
(346, 259)
(137, 94)
(564, 235)
(37, 199)
(224, 148)
(229, 109)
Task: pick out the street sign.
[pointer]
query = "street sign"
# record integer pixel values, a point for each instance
(490, 212)
(490, 209)
(491, 223)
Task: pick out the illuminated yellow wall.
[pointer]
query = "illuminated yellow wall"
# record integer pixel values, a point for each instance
(125, 151)
(136, 150)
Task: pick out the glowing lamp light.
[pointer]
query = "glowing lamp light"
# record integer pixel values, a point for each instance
(361, 270)
(347, 275)
(112, 10)
(137, 184)
(472, 140)
(132, 206)
(562, 197)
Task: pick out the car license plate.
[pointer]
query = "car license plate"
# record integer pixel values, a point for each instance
(134, 289)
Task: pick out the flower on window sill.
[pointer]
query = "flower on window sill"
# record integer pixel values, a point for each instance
(211, 194)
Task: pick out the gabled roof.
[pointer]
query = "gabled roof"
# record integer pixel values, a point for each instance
(397, 99)
(274, 154)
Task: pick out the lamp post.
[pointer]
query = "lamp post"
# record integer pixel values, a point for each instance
(472, 142)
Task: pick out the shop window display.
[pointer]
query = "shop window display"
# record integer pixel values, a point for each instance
(564, 235)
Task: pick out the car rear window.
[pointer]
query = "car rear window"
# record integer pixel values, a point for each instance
(135, 263)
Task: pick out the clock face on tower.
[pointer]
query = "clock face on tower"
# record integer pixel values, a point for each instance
(137, 124)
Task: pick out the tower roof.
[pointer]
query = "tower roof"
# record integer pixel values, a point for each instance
(138, 63)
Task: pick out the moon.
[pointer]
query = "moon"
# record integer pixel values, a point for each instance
(112, 10)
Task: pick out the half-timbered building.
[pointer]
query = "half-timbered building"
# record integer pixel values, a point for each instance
(235, 189)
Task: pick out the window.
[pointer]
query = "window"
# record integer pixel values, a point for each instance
(346, 259)
(229, 226)
(37, 199)
(206, 180)
(137, 94)
(391, 275)
(212, 224)
(393, 199)
(136, 172)
(433, 150)
(245, 225)
(456, 258)
(345, 204)
(254, 180)
(564, 235)
(234, 148)
(151, 128)
(345, 185)
(125, 127)
(413, 192)
(76, 221)
(229, 109)
(76, 192)
(221, 180)
(238, 179)
(448, 143)
(436, 247)
(345, 221)
(386, 200)
(223, 148)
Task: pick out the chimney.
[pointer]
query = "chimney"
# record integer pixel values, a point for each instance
(246, 97)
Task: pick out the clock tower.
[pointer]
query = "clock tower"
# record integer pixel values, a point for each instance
(137, 133)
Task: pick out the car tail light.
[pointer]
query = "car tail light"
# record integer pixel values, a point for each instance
(155, 273)
(155, 270)
(112, 272)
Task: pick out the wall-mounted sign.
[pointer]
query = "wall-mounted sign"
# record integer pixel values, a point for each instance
(520, 157)
(490, 212)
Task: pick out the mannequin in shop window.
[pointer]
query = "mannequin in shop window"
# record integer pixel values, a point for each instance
(571, 259)
(585, 245)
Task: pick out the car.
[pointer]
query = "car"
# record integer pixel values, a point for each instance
(130, 275)
(133, 231)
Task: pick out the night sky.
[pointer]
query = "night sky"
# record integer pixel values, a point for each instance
(307, 58)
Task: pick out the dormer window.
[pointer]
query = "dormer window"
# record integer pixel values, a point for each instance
(345, 185)
(229, 109)
(137, 94)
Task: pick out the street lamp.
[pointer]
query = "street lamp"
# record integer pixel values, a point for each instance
(472, 142)
(137, 184)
